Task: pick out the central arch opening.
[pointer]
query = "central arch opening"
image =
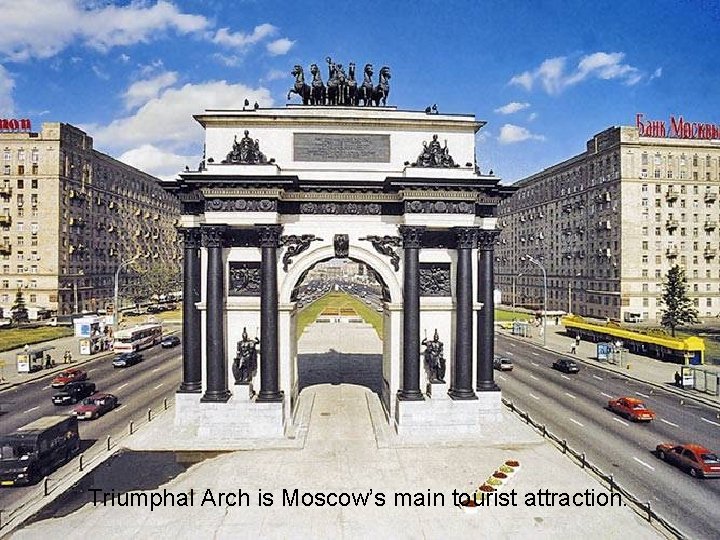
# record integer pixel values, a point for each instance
(339, 325)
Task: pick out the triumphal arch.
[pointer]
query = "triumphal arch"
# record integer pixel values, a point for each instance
(340, 174)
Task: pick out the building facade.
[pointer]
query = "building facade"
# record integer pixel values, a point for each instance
(69, 215)
(609, 223)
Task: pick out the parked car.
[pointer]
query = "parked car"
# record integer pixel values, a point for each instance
(631, 408)
(566, 365)
(68, 376)
(127, 359)
(696, 460)
(502, 363)
(74, 392)
(95, 406)
(169, 341)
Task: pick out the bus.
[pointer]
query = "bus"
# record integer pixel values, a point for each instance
(36, 449)
(137, 338)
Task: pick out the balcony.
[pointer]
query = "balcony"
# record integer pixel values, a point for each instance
(710, 197)
(672, 224)
(5, 249)
(672, 252)
(671, 195)
(5, 221)
(604, 225)
(710, 225)
(710, 253)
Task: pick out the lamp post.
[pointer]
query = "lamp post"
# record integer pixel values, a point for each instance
(539, 264)
(514, 281)
(117, 290)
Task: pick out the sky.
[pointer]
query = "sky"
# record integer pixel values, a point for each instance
(545, 75)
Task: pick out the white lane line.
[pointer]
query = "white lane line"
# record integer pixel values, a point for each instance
(46, 387)
(33, 409)
(89, 370)
(570, 395)
(158, 386)
(534, 396)
(641, 462)
(510, 354)
(598, 378)
(500, 377)
(669, 423)
(621, 421)
(604, 394)
(565, 377)
(122, 386)
(641, 394)
(512, 345)
(534, 377)
(534, 363)
(709, 421)
(156, 370)
(536, 354)
(575, 422)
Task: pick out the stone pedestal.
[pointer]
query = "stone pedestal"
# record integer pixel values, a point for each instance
(438, 390)
(244, 391)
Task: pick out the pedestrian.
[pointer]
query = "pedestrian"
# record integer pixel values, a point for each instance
(677, 378)
(577, 341)
(572, 348)
(48, 361)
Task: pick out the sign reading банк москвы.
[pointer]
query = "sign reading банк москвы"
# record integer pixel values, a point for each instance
(679, 128)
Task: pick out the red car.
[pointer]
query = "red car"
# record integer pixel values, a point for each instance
(697, 460)
(68, 376)
(95, 406)
(631, 408)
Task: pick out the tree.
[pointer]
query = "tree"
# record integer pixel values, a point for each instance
(19, 312)
(679, 309)
(154, 279)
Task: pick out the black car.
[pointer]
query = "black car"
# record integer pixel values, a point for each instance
(127, 359)
(566, 365)
(74, 392)
(169, 341)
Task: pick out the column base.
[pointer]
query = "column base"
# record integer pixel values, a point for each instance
(265, 396)
(463, 394)
(487, 386)
(215, 396)
(437, 390)
(190, 388)
(410, 395)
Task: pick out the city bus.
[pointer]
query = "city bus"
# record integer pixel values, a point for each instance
(137, 338)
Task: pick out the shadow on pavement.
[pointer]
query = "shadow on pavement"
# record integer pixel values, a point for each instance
(333, 367)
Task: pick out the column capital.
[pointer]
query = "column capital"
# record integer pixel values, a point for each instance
(411, 235)
(466, 237)
(487, 238)
(213, 236)
(191, 236)
(269, 235)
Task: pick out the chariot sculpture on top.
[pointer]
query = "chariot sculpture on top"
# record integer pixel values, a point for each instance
(342, 88)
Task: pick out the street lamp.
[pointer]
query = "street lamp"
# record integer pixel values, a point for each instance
(514, 280)
(570, 293)
(117, 278)
(538, 263)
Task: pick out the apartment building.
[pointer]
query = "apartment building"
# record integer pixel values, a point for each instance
(606, 225)
(69, 215)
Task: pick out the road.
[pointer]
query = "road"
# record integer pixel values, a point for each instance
(573, 408)
(137, 387)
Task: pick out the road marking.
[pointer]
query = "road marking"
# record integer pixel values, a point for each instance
(89, 370)
(510, 354)
(641, 394)
(668, 422)
(512, 345)
(534, 396)
(33, 409)
(575, 422)
(534, 363)
(158, 386)
(46, 387)
(598, 378)
(534, 377)
(536, 354)
(122, 386)
(709, 421)
(500, 377)
(565, 377)
(570, 395)
(621, 421)
(604, 394)
(641, 462)
(156, 369)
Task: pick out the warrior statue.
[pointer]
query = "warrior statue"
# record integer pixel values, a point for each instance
(317, 91)
(365, 93)
(245, 362)
(301, 88)
(352, 89)
(382, 90)
(434, 360)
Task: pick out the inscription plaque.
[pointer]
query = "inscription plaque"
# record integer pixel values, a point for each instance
(341, 148)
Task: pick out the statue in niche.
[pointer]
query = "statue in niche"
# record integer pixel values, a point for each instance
(434, 359)
(435, 155)
(246, 151)
(245, 362)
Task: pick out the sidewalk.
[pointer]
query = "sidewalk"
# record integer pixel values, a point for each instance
(634, 366)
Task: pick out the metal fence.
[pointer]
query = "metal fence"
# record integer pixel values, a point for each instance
(62, 479)
(641, 508)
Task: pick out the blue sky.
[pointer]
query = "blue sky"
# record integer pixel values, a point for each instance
(545, 75)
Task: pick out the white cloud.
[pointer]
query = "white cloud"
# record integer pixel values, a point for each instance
(551, 74)
(229, 60)
(279, 46)
(41, 29)
(7, 84)
(241, 40)
(510, 133)
(165, 165)
(141, 92)
(512, 107)
(532, 116)
(656, 74)
(276, 75)
(100, 73)
(124, 58)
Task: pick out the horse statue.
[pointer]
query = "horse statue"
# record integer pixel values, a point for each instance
(317, 90)
(351, 95)
(333, 84)
(301, 88)
(365, 92)
(382, 90)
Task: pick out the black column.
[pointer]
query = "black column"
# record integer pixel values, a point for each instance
(192, 336)
(461, 382)
(216, 367)
(412, 242)
(269, 236)
(486, 317)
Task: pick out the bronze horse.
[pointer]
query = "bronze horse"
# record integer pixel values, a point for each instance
(301, 88)
(351, 94)
(317, 90)
(382, 90)
(365, 92)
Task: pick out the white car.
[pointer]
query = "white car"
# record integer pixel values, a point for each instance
(502, 363)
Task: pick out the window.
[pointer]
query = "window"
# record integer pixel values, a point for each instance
(644, 231)
(34, 168)
(6, 169)
(658, 188)
(34, 155)
(21, 170)
(5, 283)
(20, 183)
(20, 241)
(21, 155)
(645, 244)
(33, 298)
(708, 302)
(644, 259)
(6, 155)
(657, 173)
(644, 188)
(33, 183)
